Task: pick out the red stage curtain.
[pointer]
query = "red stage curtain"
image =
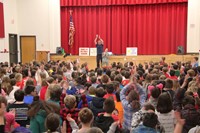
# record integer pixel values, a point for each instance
(153, 28)
(114, 2)
(1, 21)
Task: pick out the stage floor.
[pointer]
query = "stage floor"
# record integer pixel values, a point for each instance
(91, 60)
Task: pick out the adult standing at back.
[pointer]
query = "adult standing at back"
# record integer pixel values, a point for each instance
(99, 45)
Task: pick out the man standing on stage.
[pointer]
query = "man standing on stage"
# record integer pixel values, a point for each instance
(99, 45)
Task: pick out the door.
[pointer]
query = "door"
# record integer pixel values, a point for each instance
(28, 48)
(13, 49)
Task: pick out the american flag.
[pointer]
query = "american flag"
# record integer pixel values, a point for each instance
(71, 31)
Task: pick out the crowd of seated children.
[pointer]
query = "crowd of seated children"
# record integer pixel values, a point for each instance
(66, 97)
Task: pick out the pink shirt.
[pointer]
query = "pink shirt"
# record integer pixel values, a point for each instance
(10, 121)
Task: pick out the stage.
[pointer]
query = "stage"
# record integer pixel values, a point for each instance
(91, 60)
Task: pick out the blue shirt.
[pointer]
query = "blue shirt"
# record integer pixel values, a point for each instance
(196, 64)
(99, 48)
(28, 99)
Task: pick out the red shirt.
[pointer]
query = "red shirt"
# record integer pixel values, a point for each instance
(23, 82)
(43, 92)
(125, 82)
(167, 75)
(173, 78)
(34, 80)
(110, 95)
(19, 84)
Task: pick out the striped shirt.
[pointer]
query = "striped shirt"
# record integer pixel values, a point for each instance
(167, 120)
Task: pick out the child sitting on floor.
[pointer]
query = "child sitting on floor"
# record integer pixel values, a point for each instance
(110, 91)
(68, 106)
(104, 121)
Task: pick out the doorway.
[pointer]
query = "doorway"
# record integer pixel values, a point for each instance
(13, 49)
(28, 48)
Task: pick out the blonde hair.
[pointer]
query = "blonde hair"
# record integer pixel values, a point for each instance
(18, 77)
(191, 72)
(92, 90)
(43, 75)
(70, 101)
(193, 88)
(192, 83)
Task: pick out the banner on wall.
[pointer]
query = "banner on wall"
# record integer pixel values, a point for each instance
(131, 51)
(2, 34)
(84, 51)
(93, 51)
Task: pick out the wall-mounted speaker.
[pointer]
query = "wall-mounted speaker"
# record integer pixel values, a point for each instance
(58, 50)
(180, 50)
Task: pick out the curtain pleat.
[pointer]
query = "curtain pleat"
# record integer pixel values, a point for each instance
(65, 3)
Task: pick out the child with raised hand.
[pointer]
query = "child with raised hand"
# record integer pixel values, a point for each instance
(68, 106)
(180, 123)
(85, 116)
(130, 103)
(89, 96)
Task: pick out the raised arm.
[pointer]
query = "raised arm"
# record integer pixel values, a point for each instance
(101, 40)
(123, 96)
(95, 40)
(84, 101)
(142, 94)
